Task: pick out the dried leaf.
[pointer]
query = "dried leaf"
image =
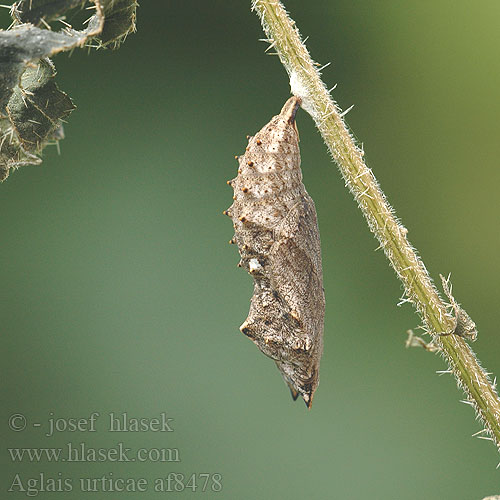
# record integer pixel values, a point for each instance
(26, 44)
(119, 21)
(37, 107)
(33, 11)
(31, 105)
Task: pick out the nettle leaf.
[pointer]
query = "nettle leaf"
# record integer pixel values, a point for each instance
(24, 45)
(39, 11)
(118, 16)
(35, 111)
(32, 108)
(12, 154)
(119, 21)
(37, 107)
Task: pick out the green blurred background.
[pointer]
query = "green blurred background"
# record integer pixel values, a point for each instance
(120, 292)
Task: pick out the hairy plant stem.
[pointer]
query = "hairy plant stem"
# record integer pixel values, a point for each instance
(306, 83)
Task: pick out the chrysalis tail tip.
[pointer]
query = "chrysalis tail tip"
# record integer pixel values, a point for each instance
(294, 393)
(308, 400)
(306, 397)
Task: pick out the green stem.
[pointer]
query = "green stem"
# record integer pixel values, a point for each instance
(305, 81)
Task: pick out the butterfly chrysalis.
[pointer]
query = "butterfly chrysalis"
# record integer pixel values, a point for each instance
(277, 234)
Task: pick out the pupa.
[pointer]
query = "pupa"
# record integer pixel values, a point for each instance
(277, 234)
